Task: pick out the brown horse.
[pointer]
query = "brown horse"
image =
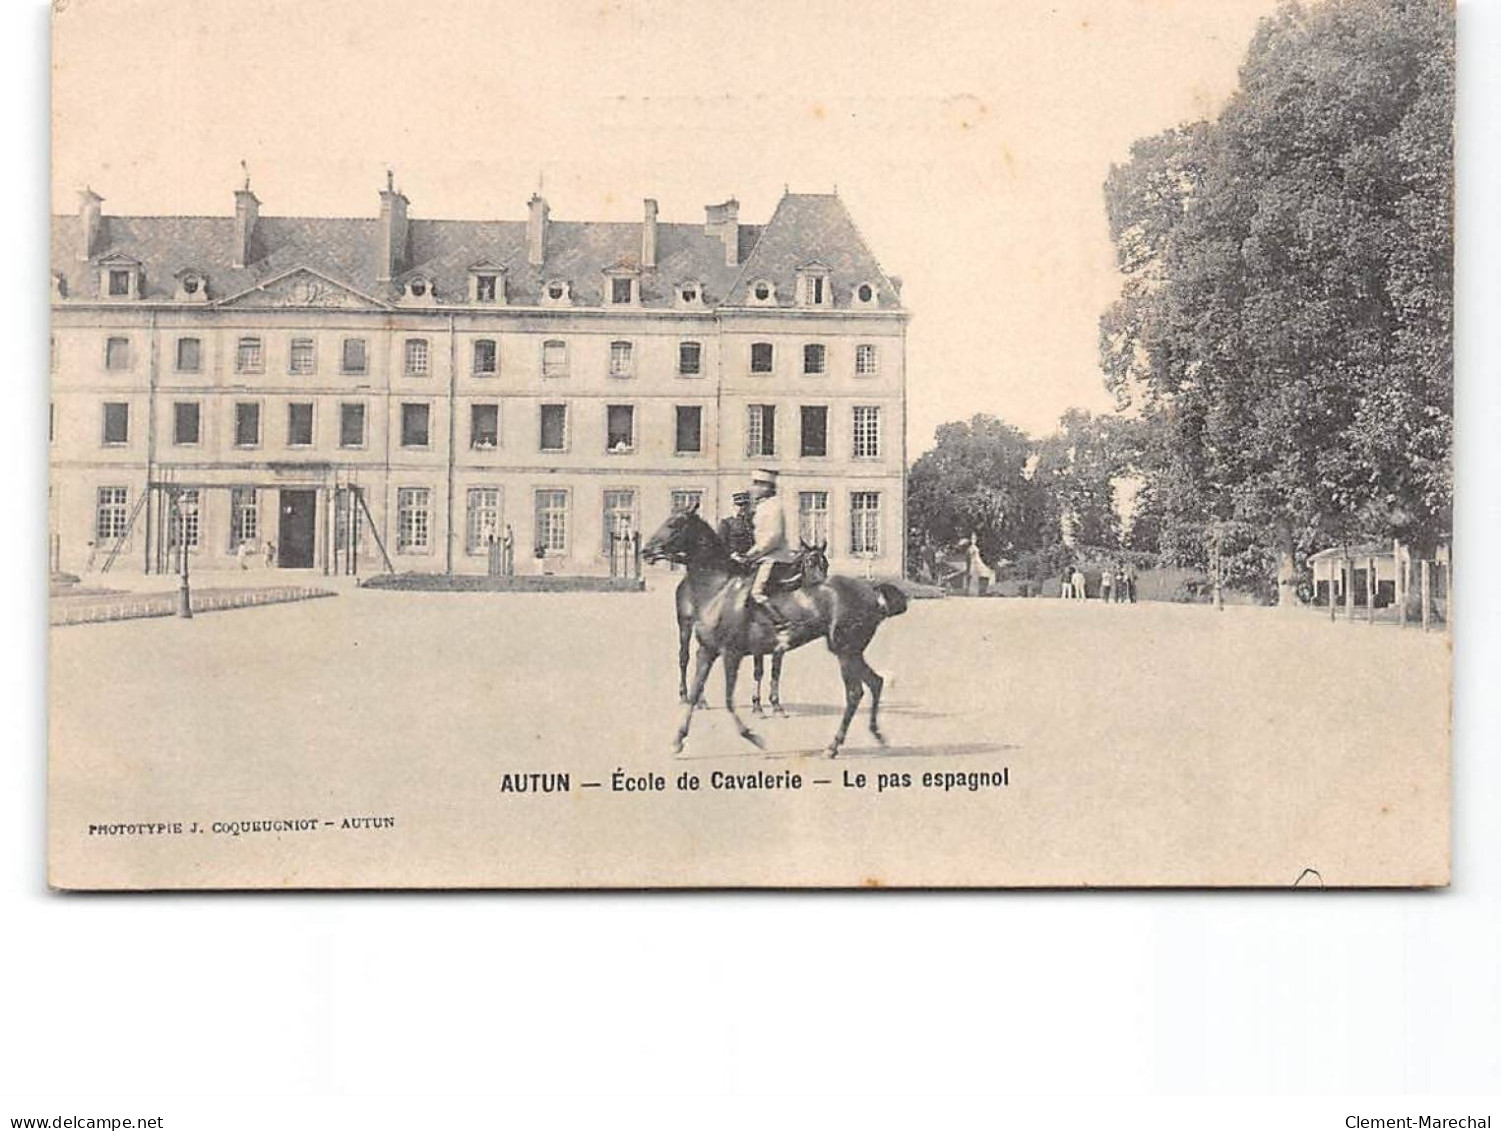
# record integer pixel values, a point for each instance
(842, 611)
(812, 568)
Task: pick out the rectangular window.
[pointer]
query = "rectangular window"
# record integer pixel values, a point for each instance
(484, 357)
(813, 517)
(186, 422)
(119, 283)
(620, 428)
(819, 283)
(189, 355)
(352, 359)
(815, 430)
(482, 526)
(552, 521)
(248, 356)
(690, 358)
(484, 288)
(351, 426)
(416, 357)
(621, 364)
(109, 513)
(620, 291)
(866, 364)
(244, 516)
(300, 424)
(620, 516)
(690, 429)
(555, 359)
(761, 357)
(554, 430)
(865, 523)
(300, 357)
(247, 424)
(185, 519)
(412, 519)
(116, 422)
(761, 430)
(867, 431)
(415, 421)
(117, 353)
(484, 426)
(687, 500)
(813, 358)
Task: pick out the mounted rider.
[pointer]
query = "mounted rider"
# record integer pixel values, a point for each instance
(738, 531)
(769, 547)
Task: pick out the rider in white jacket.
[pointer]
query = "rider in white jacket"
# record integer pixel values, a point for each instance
(770, 547)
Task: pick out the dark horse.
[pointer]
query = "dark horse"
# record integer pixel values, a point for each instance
(843, 611)
(811, 566)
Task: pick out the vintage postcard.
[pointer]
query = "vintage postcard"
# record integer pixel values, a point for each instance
(699, 445)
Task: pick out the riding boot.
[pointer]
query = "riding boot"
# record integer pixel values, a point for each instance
(782, 625)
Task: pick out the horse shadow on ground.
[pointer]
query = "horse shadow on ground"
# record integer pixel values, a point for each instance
(849, 753)
(833, 710)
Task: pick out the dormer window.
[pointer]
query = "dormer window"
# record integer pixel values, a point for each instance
(419, 290)
(556, 292)
(622, 285)
(814, 287)
(119, 277)
(690, 294)
(865, 294)
(487, 283)
(192, 286)
(763, 292)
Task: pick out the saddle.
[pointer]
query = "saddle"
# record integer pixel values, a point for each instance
(786, 577)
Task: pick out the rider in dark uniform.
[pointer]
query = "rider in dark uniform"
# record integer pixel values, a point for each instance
(737, 532)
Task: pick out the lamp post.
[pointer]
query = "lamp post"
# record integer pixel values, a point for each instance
(181, 507)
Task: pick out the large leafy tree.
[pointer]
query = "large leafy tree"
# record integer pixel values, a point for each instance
(1074, 478)
(973, 482)
(1284, 326)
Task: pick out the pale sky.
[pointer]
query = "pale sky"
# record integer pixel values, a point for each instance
(970, 141)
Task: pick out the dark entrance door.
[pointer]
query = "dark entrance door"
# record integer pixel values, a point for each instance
(299, 511)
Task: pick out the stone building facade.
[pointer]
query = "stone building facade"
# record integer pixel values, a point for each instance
(329, 394)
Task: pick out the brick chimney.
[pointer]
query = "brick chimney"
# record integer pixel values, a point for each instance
(90, 214)
(723, 220)
(393, 230)
(649, 235)
(247, 212)
(536, 229)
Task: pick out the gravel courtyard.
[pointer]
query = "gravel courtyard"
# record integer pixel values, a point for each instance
(1140, 744)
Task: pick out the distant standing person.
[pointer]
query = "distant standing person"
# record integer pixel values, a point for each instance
(1130, 583)
(1107, 579)
(1066, 584)
(1078, 583)
(269, 548)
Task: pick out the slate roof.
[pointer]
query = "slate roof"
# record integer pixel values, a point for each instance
(802, 229)
(809, 230)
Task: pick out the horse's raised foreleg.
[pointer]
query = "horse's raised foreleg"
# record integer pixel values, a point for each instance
(731, 672)
(776, 684)
(849, 668)
(759, 669)
(875, 683)
(706, 660)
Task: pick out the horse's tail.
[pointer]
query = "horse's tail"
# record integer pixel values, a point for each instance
(892, 600)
